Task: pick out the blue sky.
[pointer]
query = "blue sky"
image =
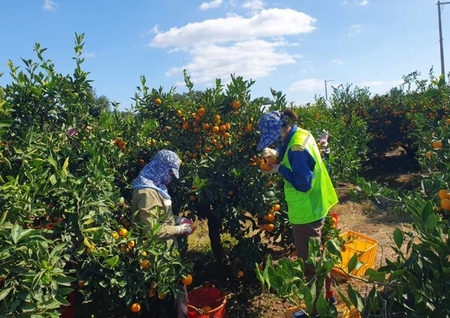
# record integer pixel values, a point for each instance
(291, 45)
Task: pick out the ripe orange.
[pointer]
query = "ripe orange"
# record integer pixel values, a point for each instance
(201, 111)
(158, 101)
(115, 235)
(269, 227)
(123, 231)
(443, 194)
(215, 129)
(437, 144)
(179, 113)
(269, 217)
(240, 274)
(161, 295)
(271, 160)
(131, 244)
(445, 204)
(276, 207)
(264, 166)
(334, 222)
(145, 264)
(236, 104)
(135, 307)
(206, 309)
(187, 280)
(428, 154)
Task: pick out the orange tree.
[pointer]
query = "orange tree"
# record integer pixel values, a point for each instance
(62, 223)
(215, 133)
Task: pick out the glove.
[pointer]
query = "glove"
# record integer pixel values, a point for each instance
(274, 169)
(184, 229)
(269, 152)
(179, 220)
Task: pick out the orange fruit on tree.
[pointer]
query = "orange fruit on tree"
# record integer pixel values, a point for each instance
(158, 101)
(240, 274)
(269, 217)
(145, 264)
(136, 307)
(276, 207)
(187, 280)
(236, 104)
(437, 144)
(445, 204)
(269, 227)
(123, 231)
(161, 295)
(429, 154)
(115, 235)
(201, 111)
(215, 129)
(443, 194)
(131, 244)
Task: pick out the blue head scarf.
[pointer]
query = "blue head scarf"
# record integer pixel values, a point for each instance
(156, 174)
(270, 129)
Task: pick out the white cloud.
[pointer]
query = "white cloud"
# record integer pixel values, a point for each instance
(252, 46)
(337, 61)
(355, 29)
(253, 5)
(49, 5)
(267, 23)
(310, 84)
(251, 59)
(362, 2)
(211, 5)
(89, 55)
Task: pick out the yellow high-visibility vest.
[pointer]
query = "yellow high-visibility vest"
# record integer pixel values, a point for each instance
(313, 205)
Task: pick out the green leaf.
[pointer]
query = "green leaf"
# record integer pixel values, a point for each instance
(352, 263)
(374, 275)
(64, 168)
(4, 293)
(113, 261)
(355, 298)
(65, 281)
(398, 237)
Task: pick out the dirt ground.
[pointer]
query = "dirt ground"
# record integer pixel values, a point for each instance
(244, 296)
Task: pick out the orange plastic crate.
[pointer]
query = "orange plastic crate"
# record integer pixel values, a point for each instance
(365, 247)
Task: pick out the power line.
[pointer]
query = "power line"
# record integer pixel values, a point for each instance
(399, 62)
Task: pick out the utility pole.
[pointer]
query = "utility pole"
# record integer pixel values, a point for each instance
(326, 93)
(441, 44)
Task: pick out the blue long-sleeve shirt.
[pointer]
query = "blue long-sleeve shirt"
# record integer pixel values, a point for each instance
(302, 164)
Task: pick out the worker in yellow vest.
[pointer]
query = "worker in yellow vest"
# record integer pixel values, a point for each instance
(308, 190)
